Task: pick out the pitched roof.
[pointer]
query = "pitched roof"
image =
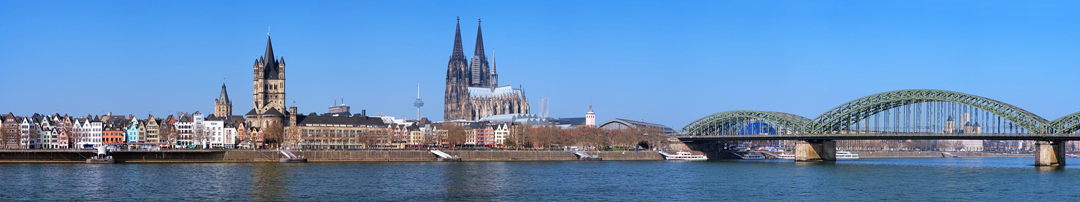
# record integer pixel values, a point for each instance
(224, 97)
(343, 120)
(274, 111)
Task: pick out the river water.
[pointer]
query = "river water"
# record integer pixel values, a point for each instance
(935, 179)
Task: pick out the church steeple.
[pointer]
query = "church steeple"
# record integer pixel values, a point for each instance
(224, 97)
(222, 105)
(479, 68)
(268, 57)
(458, 52)
(479, 52)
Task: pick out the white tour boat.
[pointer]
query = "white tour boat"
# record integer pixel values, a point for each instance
(787, 156)
(684, 155)
(752, 156)
(846, 155)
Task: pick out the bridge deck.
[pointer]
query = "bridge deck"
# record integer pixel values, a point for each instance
(886, 136)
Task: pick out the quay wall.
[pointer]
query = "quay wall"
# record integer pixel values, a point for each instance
(931, 154)
(79, 156)
(497, 155)
(369, 155)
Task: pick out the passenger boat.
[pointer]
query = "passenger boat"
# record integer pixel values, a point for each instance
(846, 155)
(752, 156)
(684, 155)
(787, 156)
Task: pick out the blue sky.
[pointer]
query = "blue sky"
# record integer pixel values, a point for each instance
(669, 62)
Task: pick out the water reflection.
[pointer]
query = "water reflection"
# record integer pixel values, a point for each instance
(270, 184)
(986, 179)
(1050, 168)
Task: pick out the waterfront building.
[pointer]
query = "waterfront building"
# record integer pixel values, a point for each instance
(10, 133)
(228, 139)
(416, 137)
(112, 135)
(152, 130)
(63, 139)
(485, 136)
(213, 129)
(472, 90)
(269, 90)
(470, 137)
(359, 131)
(134, 131)
(27, 134)
(46, 131)
(88, 132)
(185, 127)
(501, 132)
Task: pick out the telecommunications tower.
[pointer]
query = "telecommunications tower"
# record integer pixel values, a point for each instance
(418, 103)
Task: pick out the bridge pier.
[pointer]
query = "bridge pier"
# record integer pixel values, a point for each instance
(815, 150)
(1050, 153)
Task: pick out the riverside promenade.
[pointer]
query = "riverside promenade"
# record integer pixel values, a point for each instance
(209, 156)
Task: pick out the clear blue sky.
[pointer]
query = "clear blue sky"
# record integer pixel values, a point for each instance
(669, 62)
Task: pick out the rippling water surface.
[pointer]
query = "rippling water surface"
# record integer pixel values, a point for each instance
(974, 179)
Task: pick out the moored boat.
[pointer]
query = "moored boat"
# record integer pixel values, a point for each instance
(787, 156)
(684, 155)
(751, 156)
(846, 155)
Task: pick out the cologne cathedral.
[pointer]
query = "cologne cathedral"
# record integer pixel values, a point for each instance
(472, 86)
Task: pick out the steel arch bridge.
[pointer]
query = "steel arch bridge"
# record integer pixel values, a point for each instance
(729, 120)
(905, 113)
(834, 120)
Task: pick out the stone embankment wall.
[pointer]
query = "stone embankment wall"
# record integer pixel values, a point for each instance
(45, 156)
(931, 154)
(480, 155)
(370, 155)
(77, 156)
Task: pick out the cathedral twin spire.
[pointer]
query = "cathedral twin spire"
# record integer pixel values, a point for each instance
(477, 72)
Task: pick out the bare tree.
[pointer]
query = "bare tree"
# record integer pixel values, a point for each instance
(167, 132)
(200, 134)
(455, 133)
(273, 135)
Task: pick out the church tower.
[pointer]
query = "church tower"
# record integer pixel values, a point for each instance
(479, 68)
(268, 89)
(222, 105)
(269, 82)
(590, 117)
(457, 81)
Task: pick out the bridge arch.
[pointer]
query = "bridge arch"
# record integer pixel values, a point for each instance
(838, 118)
(732, 120)
(1065, 125)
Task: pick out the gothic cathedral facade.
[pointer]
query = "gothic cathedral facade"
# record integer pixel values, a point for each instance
(472, 87)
